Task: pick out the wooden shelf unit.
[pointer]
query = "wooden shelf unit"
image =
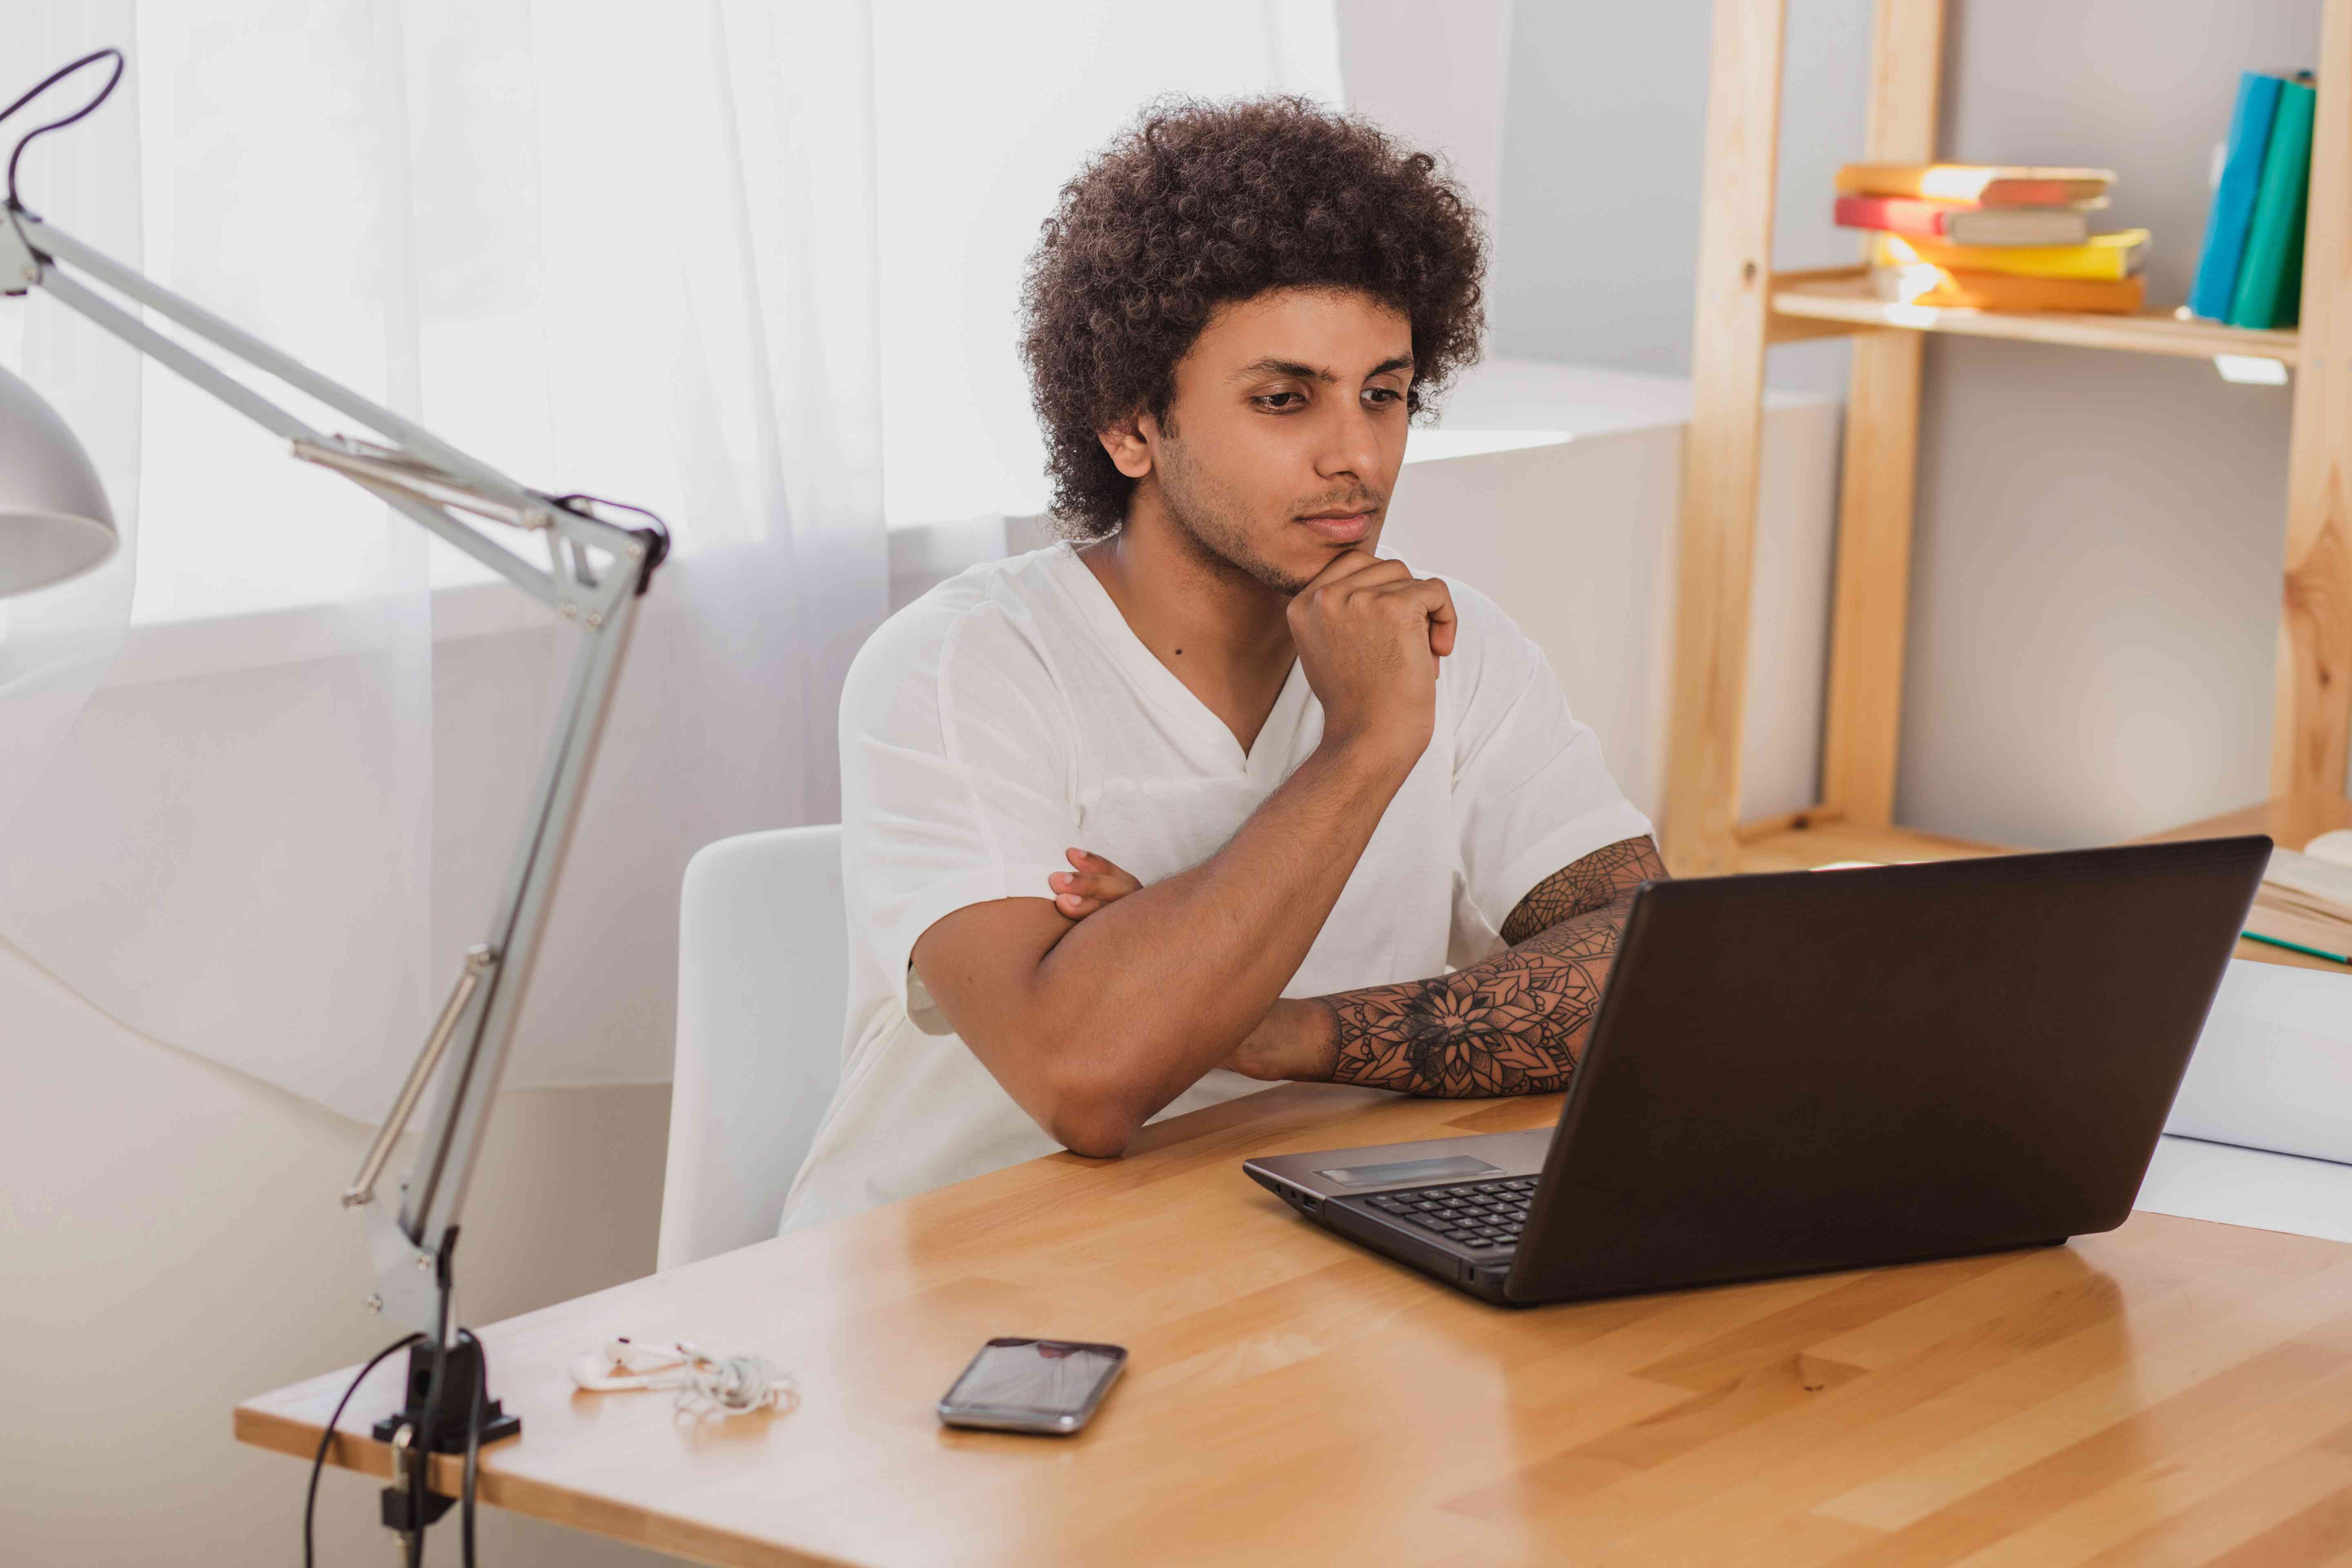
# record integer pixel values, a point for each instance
(1840, 301)
(1744, 307)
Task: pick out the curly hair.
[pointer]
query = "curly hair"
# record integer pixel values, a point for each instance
(1199, 203)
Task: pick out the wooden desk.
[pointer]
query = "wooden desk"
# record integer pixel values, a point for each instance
(2174, 1391)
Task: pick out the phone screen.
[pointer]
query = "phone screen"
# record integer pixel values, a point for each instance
(1052, 1382)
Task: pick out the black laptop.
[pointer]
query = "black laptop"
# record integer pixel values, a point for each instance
(1828, 1069)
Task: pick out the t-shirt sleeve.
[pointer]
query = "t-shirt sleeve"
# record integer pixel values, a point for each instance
(1531, 792)
(956, 756)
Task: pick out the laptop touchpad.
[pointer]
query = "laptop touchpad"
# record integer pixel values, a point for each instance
(1455, 1167)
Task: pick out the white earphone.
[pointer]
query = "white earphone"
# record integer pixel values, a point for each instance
(706, 1384)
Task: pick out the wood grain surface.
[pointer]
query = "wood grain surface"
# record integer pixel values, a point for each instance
(1723, 448)
(1862, 721)
(2173, 1392)
(1804, 301)
(2311, 738)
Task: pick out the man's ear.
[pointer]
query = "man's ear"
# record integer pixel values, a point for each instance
(1130, 454)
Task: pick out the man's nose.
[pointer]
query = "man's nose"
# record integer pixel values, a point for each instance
(1350, 446)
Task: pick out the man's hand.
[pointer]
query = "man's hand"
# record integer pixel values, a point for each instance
(1095, 882)
(1369, 635)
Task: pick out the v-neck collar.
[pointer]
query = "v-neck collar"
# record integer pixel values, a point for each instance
(1144, 667)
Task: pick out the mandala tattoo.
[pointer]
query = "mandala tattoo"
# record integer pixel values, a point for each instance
(1512, 1023)
(1598, 881)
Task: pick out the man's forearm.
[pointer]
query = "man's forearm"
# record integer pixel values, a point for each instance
(1512, 1023)
(1160, 986)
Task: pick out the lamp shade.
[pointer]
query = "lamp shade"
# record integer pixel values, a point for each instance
(54, 519)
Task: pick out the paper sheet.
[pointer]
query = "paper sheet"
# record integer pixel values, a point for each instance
(2274, 1067)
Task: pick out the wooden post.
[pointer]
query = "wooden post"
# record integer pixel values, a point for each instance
(1722, 450)
(2311, 737)
(1862, 718)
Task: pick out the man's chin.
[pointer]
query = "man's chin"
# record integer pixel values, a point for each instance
(1297, 559)
(1291, 575)
(1285, 576)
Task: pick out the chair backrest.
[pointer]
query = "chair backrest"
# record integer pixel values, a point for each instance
(762, 986)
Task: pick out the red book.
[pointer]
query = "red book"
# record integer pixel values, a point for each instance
(1959, 223)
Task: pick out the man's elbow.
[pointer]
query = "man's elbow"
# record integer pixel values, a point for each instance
(1092, 1116)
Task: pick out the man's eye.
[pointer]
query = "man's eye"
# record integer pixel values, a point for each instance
(1279, 400)
(1381, 397)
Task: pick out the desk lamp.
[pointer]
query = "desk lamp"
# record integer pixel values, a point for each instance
(55, 523)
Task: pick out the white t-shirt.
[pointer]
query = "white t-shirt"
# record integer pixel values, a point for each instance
(1011, 713)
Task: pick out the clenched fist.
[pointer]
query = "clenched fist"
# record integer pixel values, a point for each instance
(1369, 635)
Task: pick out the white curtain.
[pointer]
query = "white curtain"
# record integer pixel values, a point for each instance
(602, 254)
(259, 778)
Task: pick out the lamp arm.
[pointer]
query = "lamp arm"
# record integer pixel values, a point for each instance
(596, 570)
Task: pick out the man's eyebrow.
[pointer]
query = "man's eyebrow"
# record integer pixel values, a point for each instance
(1289, 367)
(1296, 370)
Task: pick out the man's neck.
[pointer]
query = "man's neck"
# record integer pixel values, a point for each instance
(1222, 632)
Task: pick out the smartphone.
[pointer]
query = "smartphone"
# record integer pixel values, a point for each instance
(1033, 1385)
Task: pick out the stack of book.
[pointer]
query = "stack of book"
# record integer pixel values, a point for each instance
(1992, 237)
(2250, 273)
(2305, 898)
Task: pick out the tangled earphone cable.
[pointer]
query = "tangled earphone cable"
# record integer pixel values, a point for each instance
(707, 1385)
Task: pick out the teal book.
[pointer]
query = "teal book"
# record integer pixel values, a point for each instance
(2270, 278)
(2233, 199)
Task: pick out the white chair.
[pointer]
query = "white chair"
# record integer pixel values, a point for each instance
(763, 985)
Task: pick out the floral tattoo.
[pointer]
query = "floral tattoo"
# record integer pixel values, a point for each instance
(1512, 1023)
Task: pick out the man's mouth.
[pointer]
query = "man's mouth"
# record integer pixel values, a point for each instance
(1339, 527)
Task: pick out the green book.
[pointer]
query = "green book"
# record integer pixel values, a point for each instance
(2270, 278)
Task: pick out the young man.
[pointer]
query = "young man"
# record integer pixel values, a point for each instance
(1212, 795)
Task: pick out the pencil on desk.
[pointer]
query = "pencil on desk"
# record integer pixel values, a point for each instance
(2296, 947)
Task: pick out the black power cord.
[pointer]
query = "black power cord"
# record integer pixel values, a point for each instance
(473, 1442)
(43, 86)
(318, 1464)
(474, 1421)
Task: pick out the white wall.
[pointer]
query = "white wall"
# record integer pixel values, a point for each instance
(1435, 75)
(171, 1242)
(1569, 528)
(2099, 537)
(1604, 136)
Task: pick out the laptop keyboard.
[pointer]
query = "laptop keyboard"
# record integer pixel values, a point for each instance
(1476, 1215)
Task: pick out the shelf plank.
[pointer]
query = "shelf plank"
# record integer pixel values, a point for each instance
(1801, 301)
(1802, 841)
(2274, 817)
(1820, 843)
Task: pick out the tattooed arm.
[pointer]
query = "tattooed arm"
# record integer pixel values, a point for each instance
(1511, 1024)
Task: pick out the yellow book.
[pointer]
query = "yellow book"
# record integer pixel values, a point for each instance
(2102, 256)
(1924, 285)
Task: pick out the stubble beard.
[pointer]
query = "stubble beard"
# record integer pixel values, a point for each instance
(1213, 524)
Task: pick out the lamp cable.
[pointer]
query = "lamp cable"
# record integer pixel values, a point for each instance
(318, 1463)
(43, 86)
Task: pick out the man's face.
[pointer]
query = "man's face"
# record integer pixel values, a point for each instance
(1288, 428)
